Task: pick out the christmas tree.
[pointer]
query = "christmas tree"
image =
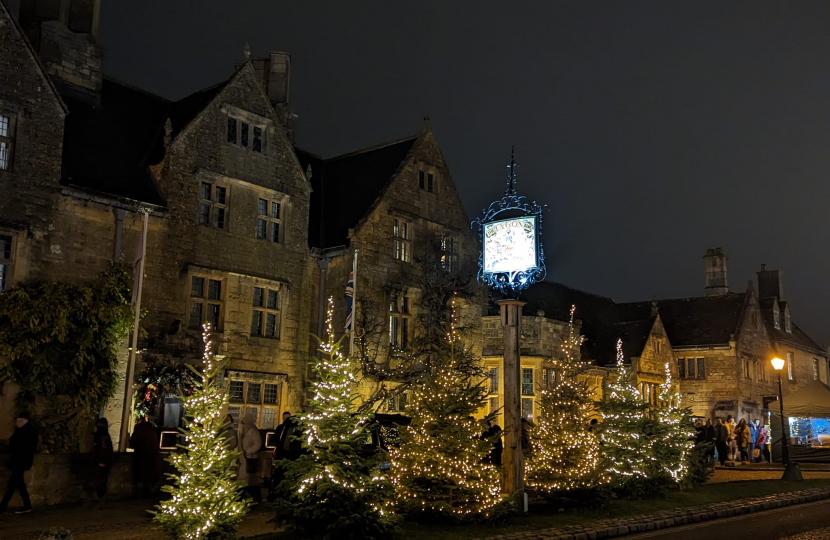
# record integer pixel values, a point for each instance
(204, 497)
(675, 434)
(564, 450)
(337, 488)
(625, 431)
(439, 468)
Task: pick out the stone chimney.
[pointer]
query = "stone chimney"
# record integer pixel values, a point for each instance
(715, 263)
(770, 283)
(275, 74)
(65, 35)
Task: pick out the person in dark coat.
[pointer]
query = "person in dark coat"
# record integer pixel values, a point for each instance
(494, 433)
(101, 459)
(721, 440)
(277, 472)
(146, 463)
(709, 436)
(22, 446)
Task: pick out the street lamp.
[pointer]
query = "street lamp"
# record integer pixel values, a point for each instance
(791, 470)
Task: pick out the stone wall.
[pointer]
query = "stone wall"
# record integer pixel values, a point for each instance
(71, 58)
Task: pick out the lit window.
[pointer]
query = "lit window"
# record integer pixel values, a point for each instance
(268, 220)
(494, 405)
(399, 321)
(402, 233)
(494, 380)
(527, 408)
(449, 253)
(265, 316)
(6, 141)
(236, 391)
(527, 381)
(205, 305)
(255, 397)
(213, 205)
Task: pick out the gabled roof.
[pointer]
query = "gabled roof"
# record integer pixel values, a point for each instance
(346, 187)
(797, 338)
(698, 321)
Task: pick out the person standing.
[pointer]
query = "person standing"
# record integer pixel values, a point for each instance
(721, 440)
(742, 437)
(146, 462)
(761, 443)
(250, 442)
(277, 472)
(709, 432)
(753, 436)
(101, 458)
(733, 446)
(22, 446)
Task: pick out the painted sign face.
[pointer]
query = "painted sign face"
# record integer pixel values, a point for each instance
(510, 245)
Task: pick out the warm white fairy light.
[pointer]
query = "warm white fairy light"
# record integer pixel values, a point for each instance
(675, 438)
(204, 492)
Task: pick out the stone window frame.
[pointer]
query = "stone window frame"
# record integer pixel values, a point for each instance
(400, 320)
(208, 275)
(428, 178)
(528, 387)
(8, 246)
(8, 131)
(264, 381)
(449, 252)
(273, 217)
(263, 309)
(252, 121)
(402, 239)
(216, 206)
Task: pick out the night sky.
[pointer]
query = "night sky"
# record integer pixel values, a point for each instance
(652, 130)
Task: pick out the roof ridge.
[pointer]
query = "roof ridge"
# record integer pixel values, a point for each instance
(372, 148)
(205, 89)
(658, 300)
(137, 89)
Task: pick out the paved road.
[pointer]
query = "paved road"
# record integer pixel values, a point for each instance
(801, 522)
(739, 475)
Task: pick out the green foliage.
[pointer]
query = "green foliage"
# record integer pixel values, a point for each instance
(336, 490)
(564, 452)
(60, 341)
(158, 380)
(205, 502)
(698, 464)
(439, 470)
(673, 442)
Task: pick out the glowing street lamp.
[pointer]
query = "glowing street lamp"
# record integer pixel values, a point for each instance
(791, 471)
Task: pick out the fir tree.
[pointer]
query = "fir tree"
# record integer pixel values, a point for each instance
(673, 443)
(564, 450)
(439, 468)
(204, 497)
(625, 431)
(337, 490)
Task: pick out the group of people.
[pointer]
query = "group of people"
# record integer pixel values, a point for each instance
(742, 441)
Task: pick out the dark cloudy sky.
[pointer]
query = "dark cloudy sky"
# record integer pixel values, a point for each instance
(653, 130)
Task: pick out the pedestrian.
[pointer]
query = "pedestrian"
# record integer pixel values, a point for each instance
(760, 443)
(22, 447)
(742, 437)
(709, 431)
(279, 451)
(493, 434)
(721, 440)
(753, 436)
(277, 471)
(229, 433)
(250, 442)
(146, 457)
(101, 459)
(733, 446)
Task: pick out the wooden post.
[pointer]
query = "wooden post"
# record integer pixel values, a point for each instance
(512, 459)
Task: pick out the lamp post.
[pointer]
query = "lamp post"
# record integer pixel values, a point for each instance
(791, 470)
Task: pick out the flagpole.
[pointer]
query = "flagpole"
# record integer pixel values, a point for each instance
(127, 413)
(354, 304)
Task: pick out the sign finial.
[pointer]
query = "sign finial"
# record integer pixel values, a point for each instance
(511, 173)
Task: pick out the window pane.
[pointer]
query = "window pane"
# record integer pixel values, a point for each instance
(257, 146)
(393, 331)
(404, 333)
(405, 304)
(220, 218)
(275, 210)
(690, 369)
(269, 417)
(395, 228)
(220, 194)
(527, 381)
(5, 247)
(259, 296)
(275, 232)
(681, 368)
(273, 300)
(271, 325)
(494, 381)
(402, 401)
(527, 408)
(244, 138)
(405, 230)
(421, 179)
(196, 315)
(261, 227)
(231, 129)
(390, 405)
(197, 287)
(701, 369)
(235, 392)
(4, 125)
(262, 207)
(206, 191)
(204, 214)
(233, 412)
(429, 183)
(271, 394)
(213, 315)
(393, 303)
(214, 289)
(256, 323)
(3, 271)
(254, 393)
(4, 155)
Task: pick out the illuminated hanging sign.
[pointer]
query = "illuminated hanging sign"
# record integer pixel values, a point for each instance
(510, 245)
(510, 229)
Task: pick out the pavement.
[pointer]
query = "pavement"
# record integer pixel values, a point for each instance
(121, 520)
(801, 522)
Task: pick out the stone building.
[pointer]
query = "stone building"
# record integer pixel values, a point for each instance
(396, 206)
(83, 154)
